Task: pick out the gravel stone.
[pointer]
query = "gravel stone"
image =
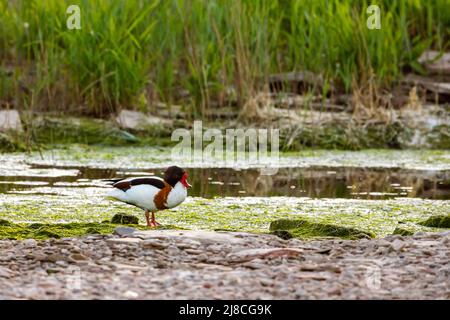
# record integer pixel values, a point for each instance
(167, 264)
(124, 231)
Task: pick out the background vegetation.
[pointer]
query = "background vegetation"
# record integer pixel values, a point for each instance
(202, 54)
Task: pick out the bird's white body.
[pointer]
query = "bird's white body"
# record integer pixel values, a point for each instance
(177, 195)
(143, 196)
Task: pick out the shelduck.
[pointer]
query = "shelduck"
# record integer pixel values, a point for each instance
(153, 194)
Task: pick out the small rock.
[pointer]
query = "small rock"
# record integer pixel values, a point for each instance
(29, 243)
(76, 257)
(419, 234)
(204, 237)
(445, 233)
(383, 243)
(266, 282)
(32, 293)
(393, 237)
(55, 257)
(5, 273)
(193, 251)
(54, 270)
(154, 243)
(39, 256)
(397, 245)
(124, 219)
(250, 254)
(202, 257)
(124, 231)
(300, 293)
(10, 120)
(254, 265)
(61, 263)
(130, 294)
(424, 243)
(428, 252)
(173, 251)
(135, 120)
(188, 243)
(382, 250)
(161, 264)
(335, 291)
(123, 240)
(126, 268)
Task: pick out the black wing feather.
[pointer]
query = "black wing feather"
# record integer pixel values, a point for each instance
(152, 181)
(128, 183)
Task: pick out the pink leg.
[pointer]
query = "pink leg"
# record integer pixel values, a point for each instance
(153, 222)
(147, 217)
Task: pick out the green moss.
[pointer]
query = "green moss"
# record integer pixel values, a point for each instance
(347, 136)
(410, 228)
(4, 222)
(11, 142)
(121, 218)
(242, 214)
(441, 221)
(439, 137)
(80, 130)
(403, 232)
(299, 228)
(42, 231)
(145, 155)
(283, 234)
(59, 131)
(44, 234)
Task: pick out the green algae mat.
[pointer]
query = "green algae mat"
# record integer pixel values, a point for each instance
(250, 214)
(57, 202)
(76, 155)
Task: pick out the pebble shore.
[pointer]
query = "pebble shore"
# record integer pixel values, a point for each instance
(174, 264)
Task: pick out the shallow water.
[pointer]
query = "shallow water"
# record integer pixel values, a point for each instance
(318, 182)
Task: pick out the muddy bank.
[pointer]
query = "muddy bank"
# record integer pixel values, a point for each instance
(427, 127)
(203, 265)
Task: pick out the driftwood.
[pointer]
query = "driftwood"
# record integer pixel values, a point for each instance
(429, 84)
(436, 92)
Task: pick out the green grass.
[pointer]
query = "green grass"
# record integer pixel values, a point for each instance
(136, 52)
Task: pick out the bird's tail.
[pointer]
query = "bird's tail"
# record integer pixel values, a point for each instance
(112, 181)
(117, 194)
